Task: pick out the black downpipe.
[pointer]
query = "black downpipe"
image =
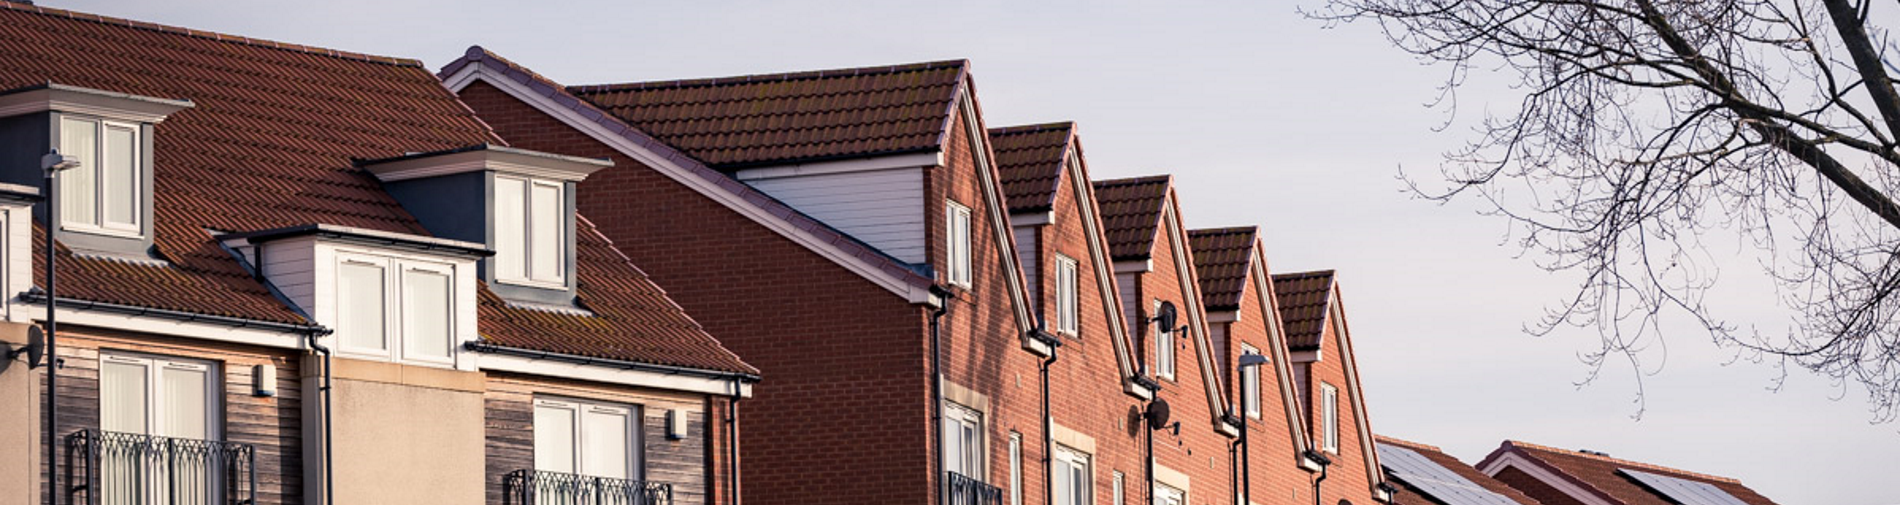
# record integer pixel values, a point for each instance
(1233, 472)
(52, 338)
(329, 438)
(1048, 422)
(1323, 464)
(1150, 433)
(732, 442)
(936, 385)
(1246, 454)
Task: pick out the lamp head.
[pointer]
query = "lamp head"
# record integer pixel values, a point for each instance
(1251, 359)
(55, 162)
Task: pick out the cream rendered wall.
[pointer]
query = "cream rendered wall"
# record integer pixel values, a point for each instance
(20, 447)
(403, 434)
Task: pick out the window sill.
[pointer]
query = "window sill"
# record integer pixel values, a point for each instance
(561, 284)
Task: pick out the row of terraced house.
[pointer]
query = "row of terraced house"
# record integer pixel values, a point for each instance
(291, 275)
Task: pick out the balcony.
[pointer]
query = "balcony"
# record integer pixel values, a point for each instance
(111, 468)
(960, 490)
(530, 487)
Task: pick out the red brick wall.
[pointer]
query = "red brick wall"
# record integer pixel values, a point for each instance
(1198, 451)
(1346, 479)
(842, 413)
(1276, 474)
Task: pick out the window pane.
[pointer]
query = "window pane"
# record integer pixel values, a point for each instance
(425, 302)
(122, 390)
(1064, 486)
(604, 442)
(118, 174)
(511, 214)
(78, 188)
(554, 438)
(545, 233)
(360, 306)
(183, 412)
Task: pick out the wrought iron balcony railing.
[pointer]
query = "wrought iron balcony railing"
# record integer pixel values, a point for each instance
(531, 487)
(963, 490)
(111, 468)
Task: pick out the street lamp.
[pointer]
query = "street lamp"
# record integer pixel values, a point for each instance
(53, 163)
(1248, 360)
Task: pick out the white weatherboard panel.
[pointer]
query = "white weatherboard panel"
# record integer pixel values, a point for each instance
(1683, 491)
(1026, 256)
(1434, 480)
(882, 208)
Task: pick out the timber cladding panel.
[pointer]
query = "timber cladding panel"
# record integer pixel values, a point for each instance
(683, 463)
(272, 425)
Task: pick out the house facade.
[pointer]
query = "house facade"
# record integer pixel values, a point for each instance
(293, 275)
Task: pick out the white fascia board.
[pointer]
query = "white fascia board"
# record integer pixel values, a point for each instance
(1032, 219)
(1537, 471)
(92, 102)
(1225, 316)
(161, 326)
(711, 190)
(636, 378)
(891, 162)
(1282, 364)
(505, 160)
(1305, 356)
(1134, 267)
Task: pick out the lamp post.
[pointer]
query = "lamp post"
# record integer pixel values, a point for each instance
(1249, 360)
(53, 163)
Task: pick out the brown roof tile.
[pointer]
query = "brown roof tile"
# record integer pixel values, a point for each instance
(754, 120)
(271, 143)
(1131, 213)
(1598, 474)
(1221, 260)
(1408, 495)
(1303, 303)
(1030, 160)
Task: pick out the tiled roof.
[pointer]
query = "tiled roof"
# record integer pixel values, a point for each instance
(1408, 495)
(1030, 160)
(1598, 474)
(754, 120)
(1303, 298)
(740, 191)
(1221, 260)
(1131, 213)
(271, 143)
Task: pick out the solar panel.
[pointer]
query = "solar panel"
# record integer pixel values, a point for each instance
(1683, 491)
(1432, 479)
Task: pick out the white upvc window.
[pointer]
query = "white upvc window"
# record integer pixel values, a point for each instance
(1164, 349)
(1066, 296)
(587, 438)
(530, 231)
(395, 309)
(957, 248)
(963, 441)
(1074, 482)
(1329, 417)
(1250, 384)
(1015, 468)
(1117, 493)
(158, 396)
(1169, 495)
(105, 193)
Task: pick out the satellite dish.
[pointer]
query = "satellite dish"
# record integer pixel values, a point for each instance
(35, 347)
(1157, 414)
(1166, 316)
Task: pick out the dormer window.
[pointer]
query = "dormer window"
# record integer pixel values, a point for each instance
(530, 231)
(105, 193)
(400, 309)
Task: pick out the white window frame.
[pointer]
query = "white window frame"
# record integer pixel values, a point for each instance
(526, 256)
(1329, 417)
(957, 233)
(1015, 468)
(962, 455)
(104, 226)
(1163, 349)
(1066, 461)
(1250, 384)
(636, 457)
(1067, 296)
(397, 346)
(1117, 493)
(154, 364)
(1163, 491)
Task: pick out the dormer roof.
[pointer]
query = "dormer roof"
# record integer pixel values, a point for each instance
(1030, 159)
(771, 119)
(1131, 213)
(1222, 257)
(1305, 299)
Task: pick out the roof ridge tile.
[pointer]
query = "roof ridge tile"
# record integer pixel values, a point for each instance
(803, 75)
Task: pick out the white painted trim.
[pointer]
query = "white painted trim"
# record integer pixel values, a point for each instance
(1197, 320)
(1105, 280)
(895, 161)
(637, 378)
(1305, 356)
(1225, 316)
(91, 102)
(1282, 364)
(1344, 334)
(1174, 479)
(1035, 219)
(1134, 267)
(1495, 466)
(167, 327)
(479, 70)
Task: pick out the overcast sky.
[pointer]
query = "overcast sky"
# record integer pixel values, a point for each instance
(1265, 118)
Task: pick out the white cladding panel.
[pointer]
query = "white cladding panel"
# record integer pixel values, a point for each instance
(1026, 255)
(882, 208)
